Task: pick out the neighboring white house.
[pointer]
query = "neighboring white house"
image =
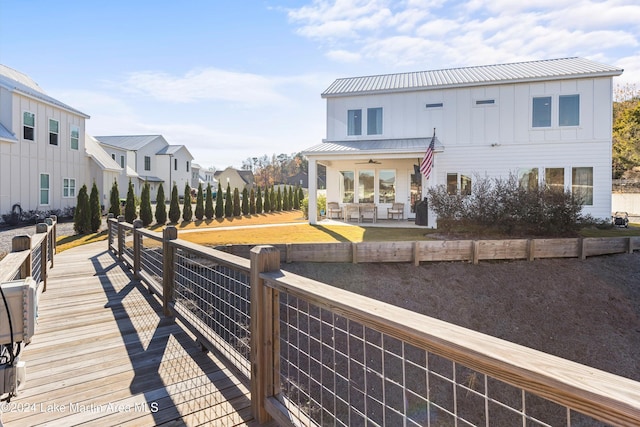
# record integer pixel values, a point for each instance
(235, 178)
(103, 169)
(148, 158)
(43, 163)
(546, 121)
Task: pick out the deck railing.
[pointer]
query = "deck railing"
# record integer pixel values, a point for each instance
(31, 256)
(318, 355)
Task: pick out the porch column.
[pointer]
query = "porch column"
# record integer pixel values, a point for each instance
(313, 191)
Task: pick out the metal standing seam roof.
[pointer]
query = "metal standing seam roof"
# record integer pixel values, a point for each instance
(374, 146)
(101, 157)
(129, 142)
(16, 81)
(6, 134)
(552, 69)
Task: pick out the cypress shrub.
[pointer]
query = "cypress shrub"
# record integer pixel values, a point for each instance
(252, 202)
(82, 215)
(278, 200)
(259, 202)
(174, 206)
(285, 200)
(219, 202)
(272, 199)
(130, 208)
(237, 209)
(245, 202)
(208, 203)
(228, 203)
(94, 209)
(200, 203)
(161, 207)
(114, 200)
(296, 199)
(290, 198)
(267, 200)
(146, 215)
(187, 212)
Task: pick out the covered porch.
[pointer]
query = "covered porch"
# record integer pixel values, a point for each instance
(368, 179)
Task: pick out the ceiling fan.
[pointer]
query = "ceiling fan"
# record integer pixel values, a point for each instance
(370, 162)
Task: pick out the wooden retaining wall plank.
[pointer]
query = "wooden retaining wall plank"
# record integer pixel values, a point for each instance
(502, 249)
(446, 250)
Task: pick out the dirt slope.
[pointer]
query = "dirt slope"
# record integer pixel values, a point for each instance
(587, 311)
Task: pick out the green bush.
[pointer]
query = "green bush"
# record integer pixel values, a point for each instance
(187, 212)
(245, 202)
(237, 209)
(503, 205)
(146, 215)
(174, 206)
(322, 206)
(95, 210)
(130, 213)
(252, 202)
(114, 200)
(161, 207)
(199, 213)
(267, 200)
(228, 203)
(208, 203)
(219, 202)
(82, 215)
(259, 202)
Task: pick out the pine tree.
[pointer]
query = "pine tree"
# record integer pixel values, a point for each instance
(219, 202)
(228, 203)
(174, 206)
(82, 216)
(161, 207)
(146, 214)
(187, 212)
(208, 203)
(114, 200)
(252, 202)
(245, 202)
(267, 200)
(200, 204)
(130, 208)
(95, 209)
(259, 202)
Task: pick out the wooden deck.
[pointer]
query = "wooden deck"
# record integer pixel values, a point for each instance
(104, 355)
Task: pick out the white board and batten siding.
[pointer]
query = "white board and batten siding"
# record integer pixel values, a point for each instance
(22, 162)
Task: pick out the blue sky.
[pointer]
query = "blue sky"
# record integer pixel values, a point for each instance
(237, 79)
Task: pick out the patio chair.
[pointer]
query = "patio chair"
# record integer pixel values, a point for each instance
(334, 210)
(396, 210)
(368, 211)
(351, 210)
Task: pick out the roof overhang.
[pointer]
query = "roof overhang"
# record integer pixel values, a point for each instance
(150, 178)
(7, 135)
(408, 148)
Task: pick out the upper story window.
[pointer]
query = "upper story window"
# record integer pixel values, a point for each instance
(28, 125)
(541, 112)
(187, 166)
(354, 122)
(374, 121)
(54, 127)
(121, 161)
(175, 164)
(486, 102)
(147, 163)
(434, 105)
(569, 110)
(113, 156)
(75, 137)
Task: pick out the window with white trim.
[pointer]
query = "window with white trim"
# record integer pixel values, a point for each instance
(541, 116)
(74, 141)
(354, 122)
(458, 184)
(346, 183)
(554, 178)
(528, 178)
(29, 126)
(147, 163)
(374, 121)
(54, 130)
(582, 184)
(387, 186)
(122, 161)
(44, 188)
(68, 187)
(568, 110)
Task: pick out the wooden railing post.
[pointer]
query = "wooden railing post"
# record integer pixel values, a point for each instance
(43, 228)
(110, 235)
(54, 232)
(19, 244)
(120, 237)
(263, 327)
(137, 247)
(52, 239)
(168, 268)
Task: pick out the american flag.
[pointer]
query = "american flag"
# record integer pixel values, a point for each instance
(427, 162)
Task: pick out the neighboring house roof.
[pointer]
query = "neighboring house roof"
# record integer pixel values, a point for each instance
(553, 69)
(407, 145)
(7, 135)
(129, 142)
(246, 175)
(173, 149)
(150, 178)
(132, 173)
(15, 81)
(101, 157)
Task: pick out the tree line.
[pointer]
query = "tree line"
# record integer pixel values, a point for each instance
(87, 217)
(626, 130)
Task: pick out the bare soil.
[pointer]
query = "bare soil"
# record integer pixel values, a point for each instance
(587, 311)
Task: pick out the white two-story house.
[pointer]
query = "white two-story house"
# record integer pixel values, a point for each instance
(149, 158)
(547, 121)
(43, 163)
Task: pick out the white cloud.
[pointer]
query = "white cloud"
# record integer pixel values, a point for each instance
(205, 84)
(343, 56)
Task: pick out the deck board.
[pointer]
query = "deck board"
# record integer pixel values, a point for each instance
(104, 355)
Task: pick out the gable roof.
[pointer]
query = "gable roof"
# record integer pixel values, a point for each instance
(101, 157)
(129, 142)
(245, 175)
(374, 146)
(15, 81)
(553, 69)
